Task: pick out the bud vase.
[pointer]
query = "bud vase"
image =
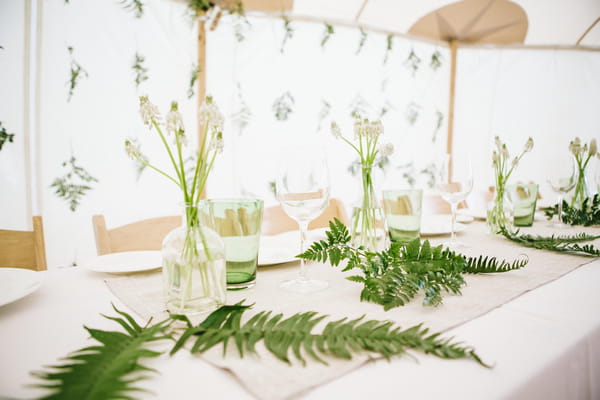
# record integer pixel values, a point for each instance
(499, 211)
(368, 222)
(194, 276)
(581, 191)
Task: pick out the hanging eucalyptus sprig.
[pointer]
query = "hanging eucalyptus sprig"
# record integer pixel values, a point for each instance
(141, 72)
(193, 78)
(135, 6)
(142, 161)
(243, 115)
(283, 106)
(288, 31)
(5, 137)
(327, 33)
(412, 112)
(111, 368)
(430, 172)
(439, 120)
(362, 40)
(561, 244)
(77, 73)
(293, 338)
(323, 113)
(412, 62)
(389, 42)
(393, 277)
(436, 60)
(74, 185)
(240, 26)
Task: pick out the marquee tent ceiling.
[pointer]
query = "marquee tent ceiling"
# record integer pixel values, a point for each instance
(550, 22)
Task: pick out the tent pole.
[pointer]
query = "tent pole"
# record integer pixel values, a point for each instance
(201, 79)
(453, 49)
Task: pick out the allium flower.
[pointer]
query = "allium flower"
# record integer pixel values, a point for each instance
(133, 151)
(174, 120)
(335, 130)
(217, 142)
(148, 111)
(209, 114)
(386, 149)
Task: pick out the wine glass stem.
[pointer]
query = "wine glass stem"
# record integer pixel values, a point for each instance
(560, 208)
(453, 207)
(303, 229)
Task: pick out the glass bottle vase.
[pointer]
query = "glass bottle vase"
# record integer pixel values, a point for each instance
(499, 211)
(194, 273)
(368, 221)
(581, 190)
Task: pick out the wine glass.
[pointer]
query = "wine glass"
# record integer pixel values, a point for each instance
(302, 188)
(454, 183)
(562, 183)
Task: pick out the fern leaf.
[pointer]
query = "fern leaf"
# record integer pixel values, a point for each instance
(560, 244)
(105, 371)
(293, 337)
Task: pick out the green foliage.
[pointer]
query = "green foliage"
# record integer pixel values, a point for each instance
(393, 277)
(193, 78)
(439, 120)
(412, 62)
(587, 215)
(560, 244)
(362, 40)
(141, 72)
(282, 106)
(76, 74)
(5, 136)
(74, 184)
(412, 112)
(389, 40)
(436, 60)
(288, 31)
(241, 118)
(109, 369)
(136, 6)
(327, 33)
(199, 7)
(292, 337)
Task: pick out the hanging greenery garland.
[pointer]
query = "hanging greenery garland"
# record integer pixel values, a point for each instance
(76, 74)
(5, 137)
(135, 6)
(283, 106)
(327, 33)
(141, 72)
(74, 185)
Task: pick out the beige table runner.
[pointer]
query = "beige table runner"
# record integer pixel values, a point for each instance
(268, 378)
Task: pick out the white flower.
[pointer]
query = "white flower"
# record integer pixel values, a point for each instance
(528, 145)
(209, 114)
(217, 142)
(174, 120)
(386, 150)
(515, 161)
(495, 158)
(504, 152)
(148, 111)
(358, 128)
(375, 129)
(498, 143)
(593, 148)
(335, 130)
(133, 151)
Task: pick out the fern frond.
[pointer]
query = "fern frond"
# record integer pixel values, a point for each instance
(560, 244)
(393, 277)
(105, 370)
(293, 337)
(587, 215)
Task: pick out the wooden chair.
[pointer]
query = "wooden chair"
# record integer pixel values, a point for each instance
(24, 249)
(147, 234)
(275, 220)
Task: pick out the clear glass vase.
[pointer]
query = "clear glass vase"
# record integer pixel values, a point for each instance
(194, 273)
(499, 211)
(368, 221)
(581, 190)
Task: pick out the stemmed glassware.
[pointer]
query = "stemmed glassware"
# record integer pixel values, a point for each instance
(454, 183)
(303, 191)
(562, 183)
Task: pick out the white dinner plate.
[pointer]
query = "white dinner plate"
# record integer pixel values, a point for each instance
(283, 248)
(479, 214)
(129, 261)
(16, 283)
(432, 225)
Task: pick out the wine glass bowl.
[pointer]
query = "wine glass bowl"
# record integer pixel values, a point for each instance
(302, 189)
(561, 184)
(454, 186)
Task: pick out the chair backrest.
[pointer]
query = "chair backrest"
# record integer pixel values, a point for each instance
(24, 249)
(147, 234)
(275, 220)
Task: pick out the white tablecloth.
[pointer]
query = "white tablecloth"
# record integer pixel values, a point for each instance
(544, 344)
